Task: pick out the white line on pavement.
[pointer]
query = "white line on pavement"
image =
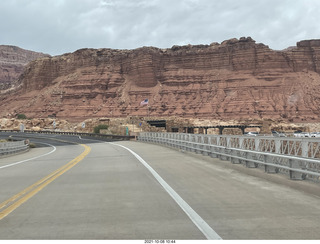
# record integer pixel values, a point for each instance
(209, 233)
(23, 161)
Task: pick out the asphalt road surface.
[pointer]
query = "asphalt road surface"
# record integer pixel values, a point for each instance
(73, 188)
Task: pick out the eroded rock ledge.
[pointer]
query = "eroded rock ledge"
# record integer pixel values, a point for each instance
(237, 79)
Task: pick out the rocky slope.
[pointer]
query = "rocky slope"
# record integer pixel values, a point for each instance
(12, 62)
(237, 79)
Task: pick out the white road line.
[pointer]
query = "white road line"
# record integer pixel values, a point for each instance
(209, 233)
(23, 161)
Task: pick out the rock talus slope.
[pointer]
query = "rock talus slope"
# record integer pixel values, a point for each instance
(237, 79)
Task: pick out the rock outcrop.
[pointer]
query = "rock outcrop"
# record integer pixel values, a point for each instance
(237, 79)
(12, 62)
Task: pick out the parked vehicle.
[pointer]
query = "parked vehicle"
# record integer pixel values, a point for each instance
(315, 134)
(252, 133)
(301, 134)
(278, 134)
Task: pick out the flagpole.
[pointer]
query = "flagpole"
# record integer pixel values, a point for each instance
(146, 102)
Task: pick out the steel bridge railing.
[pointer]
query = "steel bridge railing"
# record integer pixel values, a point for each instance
(297, 157)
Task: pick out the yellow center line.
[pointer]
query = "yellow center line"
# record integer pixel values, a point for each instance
(14, 202)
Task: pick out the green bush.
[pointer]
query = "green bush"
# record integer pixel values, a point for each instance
(32, 145)
(99, 127)
(21, 116)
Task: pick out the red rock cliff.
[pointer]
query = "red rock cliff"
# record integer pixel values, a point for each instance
(12, 62)
(237, 79)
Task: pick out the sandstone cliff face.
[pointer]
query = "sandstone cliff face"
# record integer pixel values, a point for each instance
(237, 79)
(12, 62)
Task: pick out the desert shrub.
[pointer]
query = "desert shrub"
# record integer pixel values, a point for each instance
(21, 116)
(99, 127)
(32, 145)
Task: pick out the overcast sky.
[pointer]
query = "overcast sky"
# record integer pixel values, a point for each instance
(60, 26)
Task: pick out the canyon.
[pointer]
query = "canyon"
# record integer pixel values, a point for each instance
(238, 80)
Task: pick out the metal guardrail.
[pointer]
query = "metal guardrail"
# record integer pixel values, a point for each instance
(297, 157)
(14, 147)
(7, 148)
(103, 136)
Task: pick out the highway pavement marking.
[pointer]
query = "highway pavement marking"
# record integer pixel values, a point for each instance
(14, 202)
(209, 233)
(23, 161)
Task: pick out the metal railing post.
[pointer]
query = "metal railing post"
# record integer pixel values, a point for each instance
(296, 175)
(268, 159)
(249, 163)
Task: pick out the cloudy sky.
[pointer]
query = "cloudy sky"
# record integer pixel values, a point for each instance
(60, 26)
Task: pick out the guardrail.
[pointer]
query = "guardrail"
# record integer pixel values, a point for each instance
(103, 136)
(14, 147)
(297, 157)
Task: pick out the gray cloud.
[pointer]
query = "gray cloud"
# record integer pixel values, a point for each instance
(59, 26)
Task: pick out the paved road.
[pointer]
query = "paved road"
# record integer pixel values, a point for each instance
(100, 190)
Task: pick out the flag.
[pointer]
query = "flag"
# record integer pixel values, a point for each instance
(144, 102)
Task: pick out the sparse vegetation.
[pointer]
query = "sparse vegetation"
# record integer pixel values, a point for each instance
(100, 127)
(21, 116)
(32, 145)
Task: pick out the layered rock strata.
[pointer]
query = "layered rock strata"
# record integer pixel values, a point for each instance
(12, 62)
(237, 79)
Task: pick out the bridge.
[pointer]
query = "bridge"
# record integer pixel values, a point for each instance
(190, 129)
(164, 188)
(171, 126)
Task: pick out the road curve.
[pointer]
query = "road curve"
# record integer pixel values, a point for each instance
(110, 194)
